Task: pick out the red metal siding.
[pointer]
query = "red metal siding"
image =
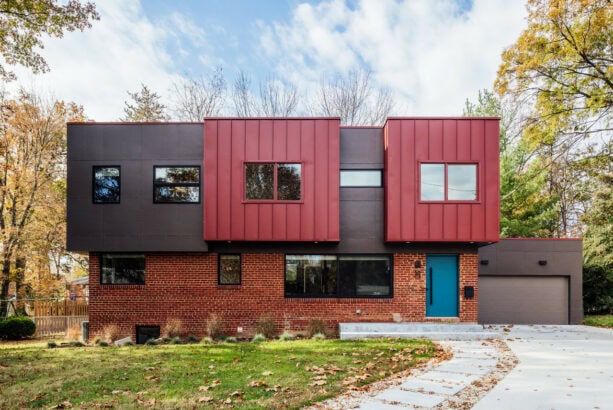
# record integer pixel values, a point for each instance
(229, 143)
(410, 141)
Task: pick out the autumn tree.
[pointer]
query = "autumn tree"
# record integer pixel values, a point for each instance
(145, 106)
(32, 160)
(354, 98)
(23, 24)
(196, 99)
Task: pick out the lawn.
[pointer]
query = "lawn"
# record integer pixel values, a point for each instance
(599, 320)
(274, 374)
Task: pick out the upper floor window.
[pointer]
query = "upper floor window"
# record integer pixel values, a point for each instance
(361, 178)
(273, 181)
(122, 269)
(106, 184)
(180, 184)
(448, 182)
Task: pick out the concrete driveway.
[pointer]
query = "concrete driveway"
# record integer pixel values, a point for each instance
(560, 367)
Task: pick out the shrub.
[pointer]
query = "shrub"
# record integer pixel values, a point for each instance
(176, 340)
(258, 338)
(73, 333)
(164, 340)
(265, 325)
(76, 343)
(110, 333)
(318, 336)
(129, 343)
(51, 345)
(173, 328)
(286, 336)
(230, 339)
(191, 339)
(214, 326)
(102, 343)
(151, 342)
(314, 327)
(17, 327)
(206, 340)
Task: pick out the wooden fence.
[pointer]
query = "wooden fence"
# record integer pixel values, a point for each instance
(58, 308)
(54, 325)
(52, 316)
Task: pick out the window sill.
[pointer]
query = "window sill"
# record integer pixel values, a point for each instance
(449, 202)
(270, 201)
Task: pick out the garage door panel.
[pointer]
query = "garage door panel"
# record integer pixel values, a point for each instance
(523, 300)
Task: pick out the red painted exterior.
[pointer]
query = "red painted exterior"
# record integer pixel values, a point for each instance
(410, 141)
(229, 143)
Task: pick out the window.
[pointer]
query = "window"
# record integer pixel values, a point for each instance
(106, 184)
(122, 269)
(448, 182)
(229, 269)
(273, 182)
(180, 184)
(144, 333)
(345, 276)
(361, 178)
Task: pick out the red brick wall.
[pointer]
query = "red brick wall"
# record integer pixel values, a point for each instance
(185, 286)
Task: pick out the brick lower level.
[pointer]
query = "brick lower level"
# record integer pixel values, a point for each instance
(185, 286)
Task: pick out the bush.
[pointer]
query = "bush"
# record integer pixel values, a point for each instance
(51, 345)
(286, 336)
(176, 341)
(258, 338)
(173, 328)
(191, 339)
(17, 327)
(266, 326)
(214, 326)
(318, 336)
(76, 343)
(110, 333)
(129, 343)
(314, 327)
(206, 340)
(102, 343)
(151, 342)
(597, 290)
(230, 339)
(164, 340)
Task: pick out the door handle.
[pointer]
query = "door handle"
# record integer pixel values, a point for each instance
(431, 286)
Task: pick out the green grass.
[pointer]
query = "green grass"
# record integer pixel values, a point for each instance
(599, 320)
(283, 374)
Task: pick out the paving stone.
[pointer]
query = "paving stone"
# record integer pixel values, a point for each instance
(431, 386)
(457, 378)
(463, 368)
(410, 397)
(379, 405)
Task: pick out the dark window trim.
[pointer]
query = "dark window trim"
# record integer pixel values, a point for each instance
(338, 272)
(181, 184)
(275, 192)
(101, 256)
(240, 273)
(477, 164)
(382, 183)
(94, 167)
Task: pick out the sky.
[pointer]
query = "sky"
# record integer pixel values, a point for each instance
(433, 54)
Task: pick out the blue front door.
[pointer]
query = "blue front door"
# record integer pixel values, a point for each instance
(441, 286)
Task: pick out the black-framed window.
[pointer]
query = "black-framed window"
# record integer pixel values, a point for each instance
(122, 269)
(273, 181)
(229, 269)
(343, 276)
(448, 182)
(106, 184)
(176, 184)
(361, 178)
(144, 333)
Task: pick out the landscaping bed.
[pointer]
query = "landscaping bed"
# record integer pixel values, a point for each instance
(272, 374)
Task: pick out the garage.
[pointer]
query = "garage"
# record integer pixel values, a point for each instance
(523, 299)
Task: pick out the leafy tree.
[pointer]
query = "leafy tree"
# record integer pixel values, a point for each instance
(22, 24)
(562, 63)
(145, 107)
(526, 210)
(200, 98)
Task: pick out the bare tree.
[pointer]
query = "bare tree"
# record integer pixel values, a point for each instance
(200, 98)
(242, 98)
(277, 99)
(354, 98)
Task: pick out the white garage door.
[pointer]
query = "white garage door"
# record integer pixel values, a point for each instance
(523, 300)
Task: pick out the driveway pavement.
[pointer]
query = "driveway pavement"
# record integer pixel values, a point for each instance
(560, 367)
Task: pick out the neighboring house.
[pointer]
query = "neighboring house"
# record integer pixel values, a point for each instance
(78, 289)
(298, 217)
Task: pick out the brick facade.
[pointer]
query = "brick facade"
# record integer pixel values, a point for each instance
(185, 286)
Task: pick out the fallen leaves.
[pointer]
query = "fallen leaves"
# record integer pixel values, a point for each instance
(205, 399)
(267, 373)
(257, 383)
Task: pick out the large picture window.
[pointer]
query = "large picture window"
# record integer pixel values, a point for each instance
(448, 182)
(180, 184)
(344, 276)
(122, 269)
(273, 181)
(106, 184)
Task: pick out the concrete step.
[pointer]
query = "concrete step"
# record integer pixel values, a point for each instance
(433, 331)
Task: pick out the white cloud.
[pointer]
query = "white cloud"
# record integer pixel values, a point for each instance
(433, 54)
(124, 49)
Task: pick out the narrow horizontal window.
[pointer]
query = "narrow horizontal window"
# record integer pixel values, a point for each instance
(361, 178)
(122, 269)
(179, 184)
(273, 181)
(229, 269)
(448, 182)
(106, 184)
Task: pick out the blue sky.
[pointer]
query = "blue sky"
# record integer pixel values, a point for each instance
(432, 53)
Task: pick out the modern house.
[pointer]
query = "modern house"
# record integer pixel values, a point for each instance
(300, 218)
